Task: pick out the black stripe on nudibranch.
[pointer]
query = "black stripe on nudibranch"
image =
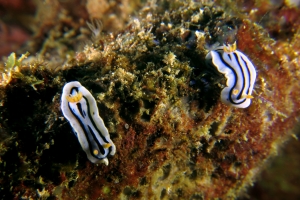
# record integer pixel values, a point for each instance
(249, 74)
(228, 65)
(80, 109)
(97, 142)
(239, 96)
(229, 56)
(89, 133)
(86, 133)
(74, 88)
(92, 120)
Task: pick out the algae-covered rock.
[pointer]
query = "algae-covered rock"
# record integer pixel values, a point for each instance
(158, 98)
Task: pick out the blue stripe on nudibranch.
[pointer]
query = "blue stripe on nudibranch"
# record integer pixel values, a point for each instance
(80, 108)
(240, 74)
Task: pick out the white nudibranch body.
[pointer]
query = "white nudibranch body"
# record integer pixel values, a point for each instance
(80, 108)
(240, 74)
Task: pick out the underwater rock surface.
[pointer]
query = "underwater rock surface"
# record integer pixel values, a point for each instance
(174, 137)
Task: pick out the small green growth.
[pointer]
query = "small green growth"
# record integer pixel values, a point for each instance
(106, 190)
(36, 82)
(22, 57)
(13, 62)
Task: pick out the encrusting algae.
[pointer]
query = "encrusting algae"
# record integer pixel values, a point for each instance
(174, 137)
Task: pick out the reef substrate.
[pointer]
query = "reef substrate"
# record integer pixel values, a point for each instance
(159, 100)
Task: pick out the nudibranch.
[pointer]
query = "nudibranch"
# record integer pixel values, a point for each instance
(240, 74)
(80, 108)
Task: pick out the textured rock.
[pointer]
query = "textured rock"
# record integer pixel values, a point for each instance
(160, 102)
